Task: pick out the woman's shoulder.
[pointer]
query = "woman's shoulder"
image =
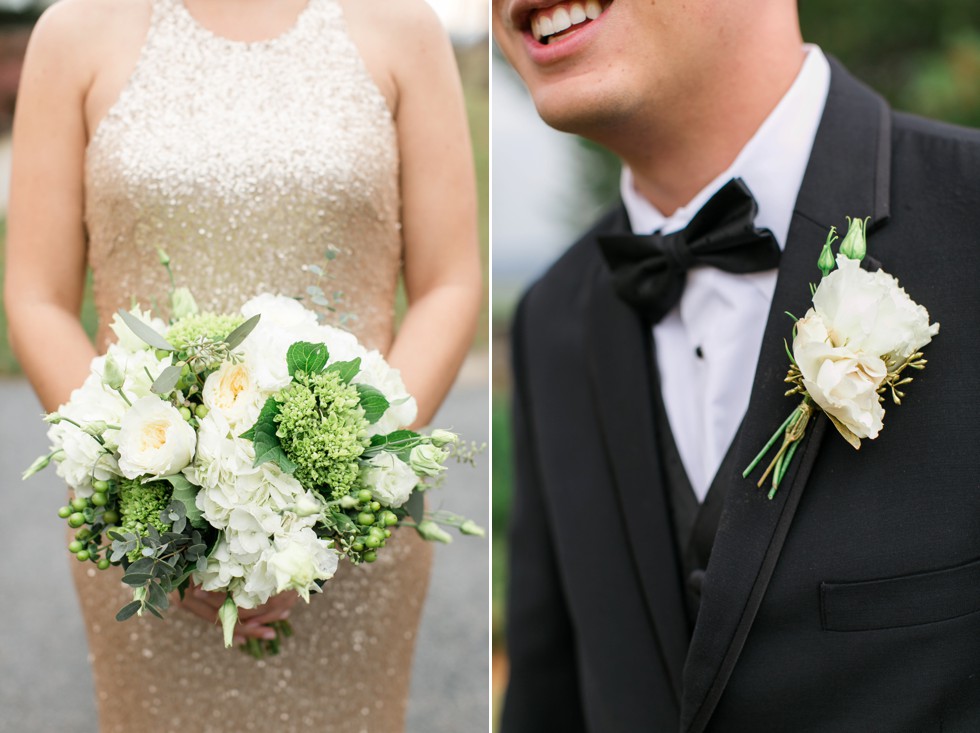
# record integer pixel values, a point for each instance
(87, 30)
(398, 23)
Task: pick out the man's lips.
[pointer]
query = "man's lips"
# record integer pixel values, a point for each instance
(551, 21)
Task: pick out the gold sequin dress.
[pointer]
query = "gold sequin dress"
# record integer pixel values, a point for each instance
(247, 161)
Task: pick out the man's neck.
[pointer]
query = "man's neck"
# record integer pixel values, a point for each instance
(674, 156)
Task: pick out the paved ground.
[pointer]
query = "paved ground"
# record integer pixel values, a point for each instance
(46, 685)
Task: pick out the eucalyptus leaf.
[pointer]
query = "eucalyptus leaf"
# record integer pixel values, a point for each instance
(145, 332)
(157, 597)
(241, 333)
(415, 506)
(167, 380)
(136, 579)
(128, 611)
(143, 565)
(153, 609)
(186, 493)
(346, 370)
(374, 403)
(306, 357)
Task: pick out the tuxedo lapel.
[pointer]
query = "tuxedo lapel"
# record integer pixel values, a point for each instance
(619, 348)
(848, 174)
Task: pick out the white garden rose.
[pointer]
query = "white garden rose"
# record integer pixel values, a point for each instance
(872, 313)
(128, 340)
(154, 440)
(232, 391)
(843, 382)
(390, 479)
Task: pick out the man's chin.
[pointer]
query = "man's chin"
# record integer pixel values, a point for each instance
(584, 113)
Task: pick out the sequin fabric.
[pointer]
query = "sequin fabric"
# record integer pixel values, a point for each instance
(246, 162)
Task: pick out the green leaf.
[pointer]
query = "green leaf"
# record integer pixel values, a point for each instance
(157, 597)
(415, 506)
(144, 332)
(136, 579)
(266, 442)
(346, 370)
(343, 522)
(128, 611)
(306, 357)
(239, 334)
(167, 380)
(373, 402)
(186, 493)
(152, 609)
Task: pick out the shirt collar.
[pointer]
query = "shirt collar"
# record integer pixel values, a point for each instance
(772, 163)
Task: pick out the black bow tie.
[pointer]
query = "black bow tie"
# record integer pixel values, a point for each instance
(649, 271)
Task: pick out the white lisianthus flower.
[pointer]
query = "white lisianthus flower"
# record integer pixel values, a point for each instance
(842, 381)
(389, 478)
(232, 392)
(301, 559)
(861, 325)
(871, 313)
(427, 459)
(82, 458)
(128, 340)
(154, 440)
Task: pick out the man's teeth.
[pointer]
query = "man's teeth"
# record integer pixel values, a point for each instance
(562, 17)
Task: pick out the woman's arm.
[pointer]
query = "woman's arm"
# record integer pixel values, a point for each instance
(45, 255)
(442, 265)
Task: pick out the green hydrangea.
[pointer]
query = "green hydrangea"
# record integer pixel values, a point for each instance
(212, 326)
(140, 506)
(323, 430)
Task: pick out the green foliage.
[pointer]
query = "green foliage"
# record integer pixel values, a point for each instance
(140, 506)
(209, 326)
(265, 439)
(346, 370)
(322, 428)
(185, 493)
(374, 403)
(307, 358)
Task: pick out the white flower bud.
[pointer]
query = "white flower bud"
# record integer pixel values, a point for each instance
(427, 459)
(443, 437)
(182, 304)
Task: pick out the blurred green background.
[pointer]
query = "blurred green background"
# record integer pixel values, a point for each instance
(922, 55)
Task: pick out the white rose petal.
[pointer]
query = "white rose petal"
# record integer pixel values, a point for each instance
(154, 440)
(233, 392)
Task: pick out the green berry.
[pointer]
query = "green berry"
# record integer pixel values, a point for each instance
(65, 512)
(110, 516)
(185, 413)
(357, 546)
(365, 519)
(364, 495)
(79, 504)
(99, 499)
(373, 542)
(76, 520)
(370, 556)
(82, 555)
(390, 519)
(100, 485)
(75, 546)
(201, 411)
(161, 353)
(387, 533)
(104, 563)
(375, 506)
(83, 534)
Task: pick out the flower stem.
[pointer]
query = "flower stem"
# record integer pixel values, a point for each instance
(772, 441)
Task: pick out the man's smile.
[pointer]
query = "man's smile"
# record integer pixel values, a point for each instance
(556, 20)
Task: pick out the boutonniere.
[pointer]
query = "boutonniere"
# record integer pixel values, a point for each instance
(850, 351)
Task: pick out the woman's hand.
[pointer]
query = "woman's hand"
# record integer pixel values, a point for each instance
(251, 622)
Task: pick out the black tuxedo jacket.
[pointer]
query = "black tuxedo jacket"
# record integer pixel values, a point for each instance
(850, 602)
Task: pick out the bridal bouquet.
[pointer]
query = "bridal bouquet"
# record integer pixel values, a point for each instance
(246, 451)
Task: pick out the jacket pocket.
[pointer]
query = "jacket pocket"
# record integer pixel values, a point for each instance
(909, 600)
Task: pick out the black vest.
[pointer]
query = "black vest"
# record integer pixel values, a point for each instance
(694, 523)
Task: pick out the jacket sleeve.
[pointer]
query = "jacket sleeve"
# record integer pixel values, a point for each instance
(543, 690)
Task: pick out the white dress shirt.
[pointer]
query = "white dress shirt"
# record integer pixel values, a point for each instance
(708, 345)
